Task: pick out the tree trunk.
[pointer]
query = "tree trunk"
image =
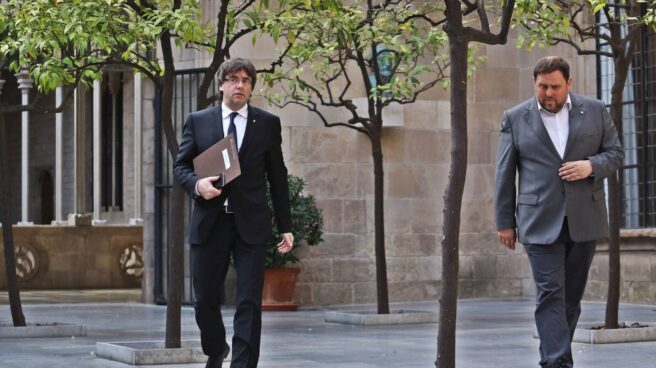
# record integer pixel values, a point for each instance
(613, 301)
(446, 338)
(175, 262)
(379, 224)
(614, 200)
(176, 214)
(7, 232)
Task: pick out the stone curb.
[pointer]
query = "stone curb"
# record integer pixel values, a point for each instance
(371, 318)
(43, 330)
(151, 352)
(585, 334)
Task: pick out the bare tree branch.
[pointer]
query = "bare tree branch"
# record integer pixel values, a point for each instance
(482, 16)
(245, 5)
(312, 106)
(491, 38)
(579, 49)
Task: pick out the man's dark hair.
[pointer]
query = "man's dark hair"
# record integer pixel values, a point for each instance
(234, 65)
(551, 64)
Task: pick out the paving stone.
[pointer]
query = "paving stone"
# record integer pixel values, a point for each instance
(492, 333)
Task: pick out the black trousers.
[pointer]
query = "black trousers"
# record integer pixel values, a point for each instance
(560, 272)
(209, 267)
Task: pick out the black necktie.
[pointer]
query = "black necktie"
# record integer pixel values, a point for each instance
(233, 129)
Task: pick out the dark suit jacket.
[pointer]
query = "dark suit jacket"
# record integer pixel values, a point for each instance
(260, 158)
(544, 199)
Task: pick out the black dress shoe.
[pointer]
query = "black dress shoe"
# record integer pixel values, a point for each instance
(226, 351)
(216, 361)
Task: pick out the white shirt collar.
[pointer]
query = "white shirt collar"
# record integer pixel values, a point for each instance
(568, 105)
(225, 111)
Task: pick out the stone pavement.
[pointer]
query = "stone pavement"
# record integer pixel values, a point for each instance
(492, 333)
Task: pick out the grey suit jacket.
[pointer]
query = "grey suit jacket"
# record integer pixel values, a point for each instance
(543, 198)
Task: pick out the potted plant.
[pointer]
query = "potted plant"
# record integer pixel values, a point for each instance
(307, 227)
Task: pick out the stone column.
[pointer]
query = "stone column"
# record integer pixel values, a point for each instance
(59, 159)
(137, 219)
(97, 153)
(80, 189)
(148, 92)
(25, 84)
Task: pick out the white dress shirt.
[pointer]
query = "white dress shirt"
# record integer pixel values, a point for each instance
(240, 122)
(557, 125)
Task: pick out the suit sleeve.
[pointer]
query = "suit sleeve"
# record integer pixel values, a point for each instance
(505, 191)
(277, 177)
(183, 167)
(611, 154)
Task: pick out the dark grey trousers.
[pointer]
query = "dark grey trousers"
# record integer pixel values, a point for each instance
(560, 272)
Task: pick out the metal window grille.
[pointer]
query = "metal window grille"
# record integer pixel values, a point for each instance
(638, 129)
(184, 101)
(112, 146)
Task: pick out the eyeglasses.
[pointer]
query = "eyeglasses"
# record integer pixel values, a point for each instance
(235, 81)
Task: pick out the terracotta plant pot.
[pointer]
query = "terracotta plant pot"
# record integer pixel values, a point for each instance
(279, 285)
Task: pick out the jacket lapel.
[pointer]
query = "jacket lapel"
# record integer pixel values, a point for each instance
(534, 119)
(250, 130)
(216, 125)
(576, 115)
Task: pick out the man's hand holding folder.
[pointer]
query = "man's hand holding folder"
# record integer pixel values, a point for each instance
(208, 189)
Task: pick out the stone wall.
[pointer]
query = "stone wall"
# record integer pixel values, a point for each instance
(638, 269)
(77, 257)
(637, 274)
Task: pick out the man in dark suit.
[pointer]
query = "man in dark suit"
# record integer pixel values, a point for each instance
(234, 220)
(562, 145)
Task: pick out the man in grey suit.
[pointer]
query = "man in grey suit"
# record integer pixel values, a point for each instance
(562, 145)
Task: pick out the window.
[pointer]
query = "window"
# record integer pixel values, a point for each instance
(112, 142)
(638, 129)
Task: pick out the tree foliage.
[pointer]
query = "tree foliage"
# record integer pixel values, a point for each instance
(547, 23)
(65, 42)
(337, 47)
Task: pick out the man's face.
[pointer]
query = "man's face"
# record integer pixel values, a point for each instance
(237, 88)
(551, 90)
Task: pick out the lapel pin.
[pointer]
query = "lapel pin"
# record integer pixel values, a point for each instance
(253, 121)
